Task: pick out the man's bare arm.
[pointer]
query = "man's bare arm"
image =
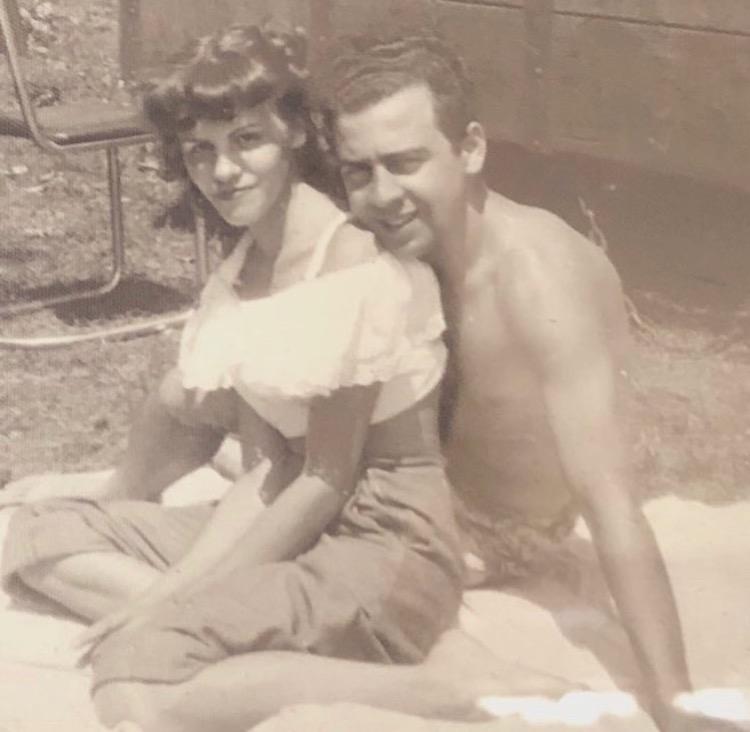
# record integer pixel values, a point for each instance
(560, 322)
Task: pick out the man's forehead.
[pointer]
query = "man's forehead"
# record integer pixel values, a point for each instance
(401, 121)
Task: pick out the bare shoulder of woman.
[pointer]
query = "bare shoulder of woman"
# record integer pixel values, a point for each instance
(349, 246)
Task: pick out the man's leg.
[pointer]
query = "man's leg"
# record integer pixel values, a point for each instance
(237, 693)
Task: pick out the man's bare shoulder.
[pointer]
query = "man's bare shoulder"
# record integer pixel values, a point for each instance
(536, 245)
(551, 280)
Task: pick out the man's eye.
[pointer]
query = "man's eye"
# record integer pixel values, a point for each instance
(405, 166)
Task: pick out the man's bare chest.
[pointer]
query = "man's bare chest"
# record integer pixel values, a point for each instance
(488, 359)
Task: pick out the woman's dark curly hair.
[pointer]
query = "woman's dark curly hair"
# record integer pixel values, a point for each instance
(217, 76)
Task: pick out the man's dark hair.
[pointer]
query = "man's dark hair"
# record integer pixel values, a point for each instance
(363, 70)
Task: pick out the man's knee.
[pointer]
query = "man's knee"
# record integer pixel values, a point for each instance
(171, 394)
(215, 411)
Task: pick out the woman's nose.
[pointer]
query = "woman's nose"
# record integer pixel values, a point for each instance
(225, 169)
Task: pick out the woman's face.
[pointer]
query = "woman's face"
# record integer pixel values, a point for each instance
(242, 166)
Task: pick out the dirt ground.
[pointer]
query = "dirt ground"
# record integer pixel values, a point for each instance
(681, 248)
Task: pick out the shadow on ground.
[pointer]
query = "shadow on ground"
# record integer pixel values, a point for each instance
(134, 295)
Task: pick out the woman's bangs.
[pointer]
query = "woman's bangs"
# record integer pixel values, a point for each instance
(219, 93)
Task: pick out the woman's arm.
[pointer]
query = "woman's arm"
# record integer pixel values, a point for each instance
(266, 469)
(337, 431)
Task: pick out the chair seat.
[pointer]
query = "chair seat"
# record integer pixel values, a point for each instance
(79, 122)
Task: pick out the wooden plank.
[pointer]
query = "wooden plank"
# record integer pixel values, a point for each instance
(725, 16)
(492, 41)
(617, 79)
(646, 95)
(721, 16)
(385, 16)
(538, 22)
(652, 96)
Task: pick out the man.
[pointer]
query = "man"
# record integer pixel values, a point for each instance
(539, 338)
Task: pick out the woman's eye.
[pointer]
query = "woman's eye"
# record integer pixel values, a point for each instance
(197, 152)
(247, 139)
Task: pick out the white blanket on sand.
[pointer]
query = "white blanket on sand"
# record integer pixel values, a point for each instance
(562, 625)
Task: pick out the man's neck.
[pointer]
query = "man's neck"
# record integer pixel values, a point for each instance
(461, 246)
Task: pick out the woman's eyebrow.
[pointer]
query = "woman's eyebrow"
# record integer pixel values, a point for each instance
(252, 126)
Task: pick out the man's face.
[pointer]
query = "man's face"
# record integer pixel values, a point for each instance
(405, 180)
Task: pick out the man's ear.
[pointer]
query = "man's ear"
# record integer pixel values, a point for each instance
(474, 148)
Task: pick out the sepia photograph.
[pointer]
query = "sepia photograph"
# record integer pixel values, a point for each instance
(374, 365)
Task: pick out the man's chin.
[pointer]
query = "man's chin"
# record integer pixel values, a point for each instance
(413, 247)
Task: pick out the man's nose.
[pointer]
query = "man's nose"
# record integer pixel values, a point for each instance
(225, 169)
(384, 188)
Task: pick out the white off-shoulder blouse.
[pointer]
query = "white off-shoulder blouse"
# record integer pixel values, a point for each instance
(378, 321)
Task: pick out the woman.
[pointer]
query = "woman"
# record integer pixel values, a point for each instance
(324, 355)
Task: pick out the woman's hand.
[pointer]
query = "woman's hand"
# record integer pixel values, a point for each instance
(134, 614)
(45, 486)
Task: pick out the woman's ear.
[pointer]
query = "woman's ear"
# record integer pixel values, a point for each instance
(474, 148)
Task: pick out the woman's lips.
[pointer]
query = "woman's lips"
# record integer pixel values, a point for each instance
(229, 193)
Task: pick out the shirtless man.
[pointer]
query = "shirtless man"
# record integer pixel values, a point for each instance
(539, 340)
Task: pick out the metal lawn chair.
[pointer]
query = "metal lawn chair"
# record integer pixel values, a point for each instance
(69, 128)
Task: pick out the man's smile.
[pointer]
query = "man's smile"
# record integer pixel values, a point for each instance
(394, 223)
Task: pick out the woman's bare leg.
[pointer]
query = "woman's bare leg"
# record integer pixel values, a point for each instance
(92, 584)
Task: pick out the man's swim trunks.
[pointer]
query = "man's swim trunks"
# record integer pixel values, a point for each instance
(501, 548)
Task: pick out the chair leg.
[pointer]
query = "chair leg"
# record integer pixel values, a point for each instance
(200, 244)
(117, 246)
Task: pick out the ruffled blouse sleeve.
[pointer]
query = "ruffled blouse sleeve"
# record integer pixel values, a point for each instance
(357, 326)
